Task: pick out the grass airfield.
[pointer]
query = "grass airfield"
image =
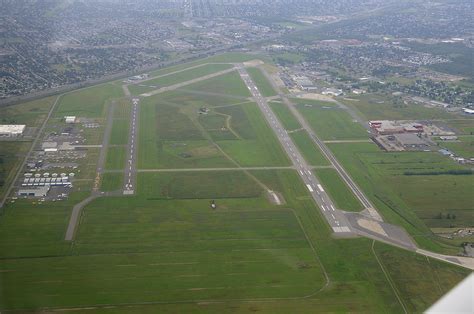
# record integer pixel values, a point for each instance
(166, 250)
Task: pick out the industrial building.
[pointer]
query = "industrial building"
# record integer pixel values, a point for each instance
(70, 119)
(333, 92)
(305, 83)
(12, 130)
(35, 192)
(386, 127)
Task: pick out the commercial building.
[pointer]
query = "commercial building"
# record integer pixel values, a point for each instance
(385, 127)
(40, 191)
(468, 110)
(333, 92)
(70, 119)
(12, 130)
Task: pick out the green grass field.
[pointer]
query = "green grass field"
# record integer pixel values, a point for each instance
(183, 138)
(464, 147)
(174, 78)
(166, 250)
(462, 127)
(261, 82)
(285, 116)
(30, 113)
(88, 102)
(119, 133)
(198, 185)
(311, 153)
(412, 201)
(11, 156)
(263, 150)
(115, 159)
(378, 107)
(229, 57)
(111, 181)
(229, 83)
(156, 250)
(338, 190)
(329, 121)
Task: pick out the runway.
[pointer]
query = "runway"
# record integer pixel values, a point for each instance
(131, 164)
(336, 219)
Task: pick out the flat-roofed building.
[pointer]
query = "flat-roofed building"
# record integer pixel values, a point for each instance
(12, 130)
(35, 192)
(70, 119)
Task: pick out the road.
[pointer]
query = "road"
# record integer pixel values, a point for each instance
(185, 83)
(335, 218)
(369, 223)
(28, 154)
(334, 162)
(130, 172)
(77, 209)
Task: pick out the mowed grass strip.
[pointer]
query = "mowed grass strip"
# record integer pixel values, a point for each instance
(111, 181)
(31, 113)
(310, 151)
(31, 229)
(463, 147)
(285, 116)
(175, 78)
(115, 158)
(119, 133)
(174, 124)
(88, 102)
(198, 185)
(229, 83)
(11, 156)
(263, 85)
(329, 121)
(419, 281)
(169, 139)
(129, 278)
(381, 176)
(338, 190)
(264, 150)
(382, 107)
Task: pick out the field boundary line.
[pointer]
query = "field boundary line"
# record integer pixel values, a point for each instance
(387, 276)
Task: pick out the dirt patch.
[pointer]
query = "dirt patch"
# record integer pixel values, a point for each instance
(253, 63)
(275, 197)
(314, 96)
(372, 226)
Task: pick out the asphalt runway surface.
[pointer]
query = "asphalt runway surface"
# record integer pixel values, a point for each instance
(131, 164)
(336, 219)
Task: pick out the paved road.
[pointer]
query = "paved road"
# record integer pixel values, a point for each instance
(131, 164)
(175, 86)
(214, 169)
(334, 162)
(32, 147)
(335, 218)
(369, 223)
(77, 209)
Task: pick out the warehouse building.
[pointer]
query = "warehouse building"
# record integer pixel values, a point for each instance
(12, 130)
(35, 192)
(70, 119)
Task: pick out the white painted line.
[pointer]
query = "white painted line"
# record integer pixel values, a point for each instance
(301, 172)
(309, 188)
(320, 188)
(324, 209)
(332, 207)
(332, 215)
